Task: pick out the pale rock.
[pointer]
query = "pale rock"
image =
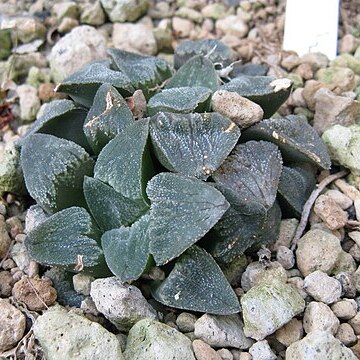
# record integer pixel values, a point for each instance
(331, 109)
(318, 316)
(182, 27)
(82, 283)
(222, 331)
(233, 25)
(191, 14)
(290, 332)
(317, 60)
(120, 303)
(186, 322)
(348, 283)
(13, 323)
(285, 257)
(344, 263)
(29, 102)
(322, 287)
(347, 61)
(225, 354)
(357, 209)
(298, 283)
(5, 239)
(203, 351)
(317, 250)
(296, 98)
(348, 44)
(286, 233)
(21, 256)
(290, 62)
(214, 11)
(237, 108)
(245, 356)
(305, 71)
(124, 10)
(355, 252)
(345, 309)
(310, 89)
(134, 37)
(342, 79)
(346, 335)
(77, 48)
(318, 345)
(341, 199)
(6, 283)
(261, 351)
(355, 323)
(67, 24)
(349, 190)
(151, 340)
(267, 307)
(92, 14)
(64, 335)
(65, 9)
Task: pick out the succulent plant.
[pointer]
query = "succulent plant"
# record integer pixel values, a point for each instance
(185, 188)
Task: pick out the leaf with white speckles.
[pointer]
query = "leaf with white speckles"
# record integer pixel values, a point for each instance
(181, 100)
(193, 144)
(66, 238)
(126, 249)
(197, 283)
(182, 211)
(54, 171)
(297, 140)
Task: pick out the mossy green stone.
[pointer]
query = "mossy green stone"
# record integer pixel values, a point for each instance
(347, 61)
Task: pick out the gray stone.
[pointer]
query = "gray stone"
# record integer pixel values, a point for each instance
(290, 332)
(134, 37)
(232, 25)
(82, 45)
(261, 351)
(191, 14)
(67, 24)
(319, 345)
(124, 10)
(346, 335)
(151, 340)
(21, 256)
(23, 62)
(355, 323)
(344, 263)
(12, 327)
(29, 102)
(345, 309)
(348, 43)
(82, 283)
(120, 303)
(240, 110)
(225, 354)
(287, 231)
(203, 351)
(92, 14)
(317, 60)
(322, 287)
(285, 257)
(341, 199)
(222, 331)
(182, 27)
(317, 250)
(186, 322)
(342, 79)
(347, 61)
(66, 9)
(318, 316)
(214, 11)
(64, 335)
(267, 307)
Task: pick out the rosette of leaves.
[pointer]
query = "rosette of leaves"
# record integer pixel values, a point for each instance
(181, 188)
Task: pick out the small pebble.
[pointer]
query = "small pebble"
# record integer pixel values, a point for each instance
(346, 335)
(262, 351)
(285, 257)
(355, 323)
(82, 283)
(341, 199)
(225, 354)
(290, 332)
(186, 322)
(203, 351)
(345, 309)
(6, 283)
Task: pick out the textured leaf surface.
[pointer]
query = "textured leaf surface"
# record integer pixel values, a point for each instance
(197, 71)
(126, 249)
(266, 91)
(253, 171)
(295, 187)
(197, 283)
(108, 116)
(213, 49)
(64, 237)
(145, 72)
(109, 208)
(64, 119)
(297, 140)
(180, 100)
(83, 84)
(249, 69)
(54, 171)
(193, 144)
(183, 210)
(124, 163)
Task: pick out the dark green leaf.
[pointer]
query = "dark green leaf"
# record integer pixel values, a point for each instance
(125, 164)
(126, 250)
(83, 84)
(180, 100)
(266, 91)
(193, 144)
(54, 171)
(108, 116)
(197, 71)
(252, 171)
(297, 140)
(249, 69)
(109, 208)
(213, 49)
(197, 283)
(183, 210)
(68, 238)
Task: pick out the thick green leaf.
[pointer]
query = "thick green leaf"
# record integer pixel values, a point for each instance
(252, 171)
(126, 249)
(181, 100)
(64, 119)
(54, 171)
(295, 186)
(193, 144)
(108, 116)
(183, 210)
(83, 84)
(297, 140)
(109, 208)
(125, 163)
(248, 69)
(197, 71)
(197, 283)
(266, 91)
(68, 239)
(145, 72)
(213, 49)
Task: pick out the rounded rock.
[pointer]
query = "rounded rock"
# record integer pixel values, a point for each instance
(261, 351)
(124, 10)
(285, 257)
(345, 309)
(290, 332)
(186, 322)
(346, 335)
(203, 351)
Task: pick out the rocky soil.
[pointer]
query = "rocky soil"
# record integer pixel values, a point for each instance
(299, 301)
